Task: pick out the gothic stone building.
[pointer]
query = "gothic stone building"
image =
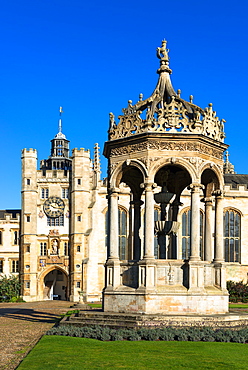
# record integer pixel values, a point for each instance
(169, 200)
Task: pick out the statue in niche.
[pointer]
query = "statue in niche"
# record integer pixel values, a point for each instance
(54, 246)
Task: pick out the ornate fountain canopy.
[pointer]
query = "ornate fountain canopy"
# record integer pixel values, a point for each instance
(164, 197)
(166, 111)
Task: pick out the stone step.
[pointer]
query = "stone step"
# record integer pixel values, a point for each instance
(121, 320)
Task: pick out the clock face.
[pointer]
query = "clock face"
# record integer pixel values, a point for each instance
(54, 207)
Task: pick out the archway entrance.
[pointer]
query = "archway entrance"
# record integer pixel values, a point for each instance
(55, 285)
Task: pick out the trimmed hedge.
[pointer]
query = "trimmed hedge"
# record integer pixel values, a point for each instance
(9, 288)
(238, 292)
(166, 334)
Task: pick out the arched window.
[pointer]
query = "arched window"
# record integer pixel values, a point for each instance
(122, 232)
(186, 221)
(186, 218)
(232, 236)
(157, 217)
(123, 244)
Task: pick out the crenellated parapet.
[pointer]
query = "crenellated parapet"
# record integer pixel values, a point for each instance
(165, 111)
(80, 152)
(10, 215)
(29, 152)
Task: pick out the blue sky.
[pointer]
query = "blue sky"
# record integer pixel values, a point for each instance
(92, 57)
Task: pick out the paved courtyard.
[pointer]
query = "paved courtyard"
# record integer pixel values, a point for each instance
(22, 325)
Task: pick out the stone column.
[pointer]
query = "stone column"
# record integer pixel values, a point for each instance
(113, 278)
(195, 221)
(175, 209)
(113, 223)
(208, 229)
(218, 240)
(149, 220)
(136, 227)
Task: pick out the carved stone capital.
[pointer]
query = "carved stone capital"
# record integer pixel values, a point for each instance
(207, 200)
(113, 191)
(218, 193)
(148, 186)
(195, 187)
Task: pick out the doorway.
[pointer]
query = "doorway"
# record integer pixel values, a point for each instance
(55, 285)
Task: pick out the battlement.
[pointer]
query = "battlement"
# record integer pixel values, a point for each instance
(236, 183)
(238, 188)
(10, 214)
(80, 152)
(29, 152)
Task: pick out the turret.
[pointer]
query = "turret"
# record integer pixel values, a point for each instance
(96, 166)
(29, 222)
(80, 202)
(59, 158)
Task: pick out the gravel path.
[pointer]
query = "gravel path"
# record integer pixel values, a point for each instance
(22, 325)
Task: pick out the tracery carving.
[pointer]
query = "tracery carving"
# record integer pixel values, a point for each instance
(174, 117)
(130, 124)
(112, 167)
(166, 111)
(167, 146)
(129, 149)
(146, 161)
(154, 145)
(196, 162)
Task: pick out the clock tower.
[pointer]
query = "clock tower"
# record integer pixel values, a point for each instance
(45, 226)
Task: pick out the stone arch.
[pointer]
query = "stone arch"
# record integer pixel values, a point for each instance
(44, 291)
(231, 208)
(121, 168)
(173, 161)
(175, 176)
(211, 178)
(132, 173)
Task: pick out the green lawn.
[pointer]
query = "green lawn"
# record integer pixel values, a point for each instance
(58, 352)
(95, 305)
(238, 305)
